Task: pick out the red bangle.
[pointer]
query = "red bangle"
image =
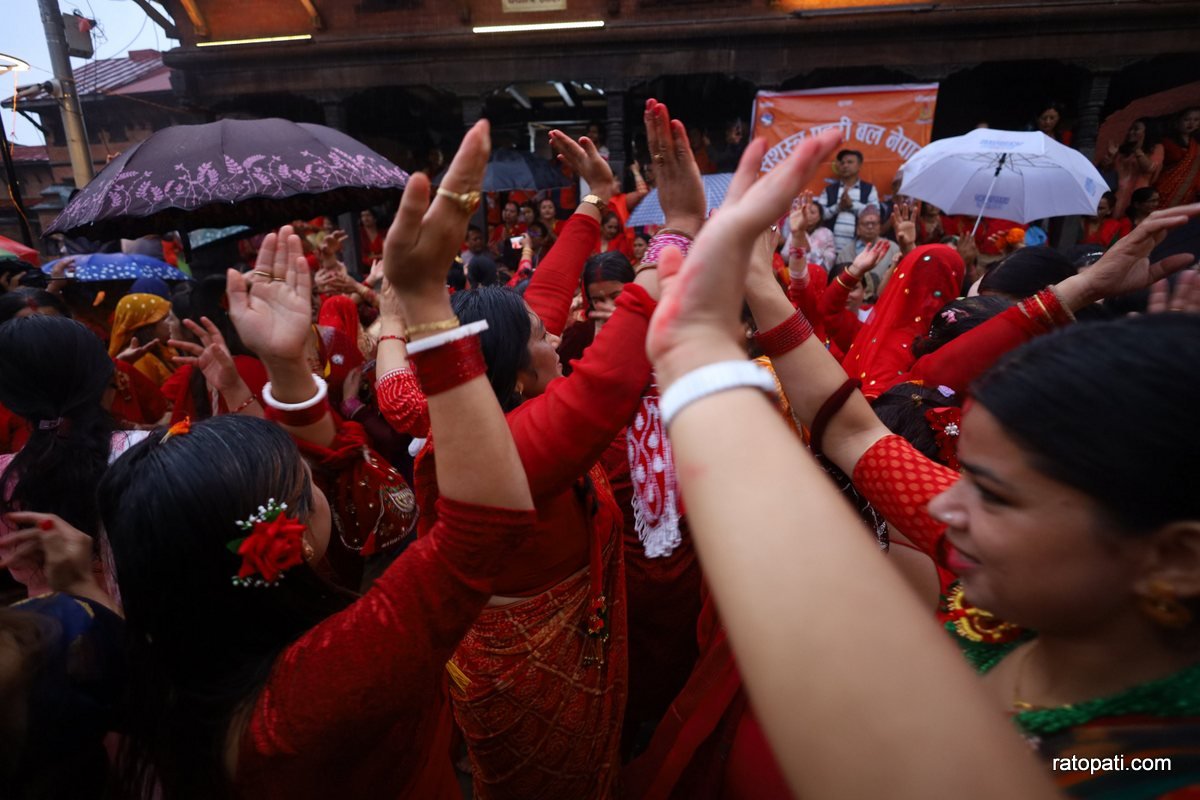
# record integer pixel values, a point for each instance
(297, 419)
(784, 337)
(449, 365)
(1045, 308)
(393, 337)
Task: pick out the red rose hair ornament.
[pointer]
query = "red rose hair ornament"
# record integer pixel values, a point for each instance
(274, 544)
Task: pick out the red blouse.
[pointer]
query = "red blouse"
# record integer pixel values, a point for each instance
(560, 435)
(402, 403)
(965, 358)
(352, 708)
(556, 280)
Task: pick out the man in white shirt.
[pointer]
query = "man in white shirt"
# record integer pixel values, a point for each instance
(842, 201)
(869, 228)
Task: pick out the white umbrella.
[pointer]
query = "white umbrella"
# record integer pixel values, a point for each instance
(1015, 175)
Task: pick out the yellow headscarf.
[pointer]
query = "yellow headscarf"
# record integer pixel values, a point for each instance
(133, 312)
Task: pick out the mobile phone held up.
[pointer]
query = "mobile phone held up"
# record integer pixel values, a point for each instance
(515, 242)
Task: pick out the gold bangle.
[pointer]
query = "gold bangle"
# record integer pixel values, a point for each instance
(845, 285)
(433, 327)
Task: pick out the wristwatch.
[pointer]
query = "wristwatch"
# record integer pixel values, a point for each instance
(596, 201)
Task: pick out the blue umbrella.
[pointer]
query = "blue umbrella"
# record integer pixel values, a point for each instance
(649, 212)
(119, 267)
(206, 236)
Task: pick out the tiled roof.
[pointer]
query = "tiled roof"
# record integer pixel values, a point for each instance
(108, 75)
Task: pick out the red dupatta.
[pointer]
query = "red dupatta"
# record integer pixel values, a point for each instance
(923, 282)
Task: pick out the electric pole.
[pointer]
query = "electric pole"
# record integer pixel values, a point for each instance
(68, 102)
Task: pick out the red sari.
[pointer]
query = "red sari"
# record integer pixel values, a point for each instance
(924, 281)
(355, 707)
(1179, 181)
(540, 700)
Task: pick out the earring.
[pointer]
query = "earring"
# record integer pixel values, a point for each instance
(1164, 608)
(309, 552)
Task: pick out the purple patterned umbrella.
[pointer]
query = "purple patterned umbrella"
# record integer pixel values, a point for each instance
(259, 173)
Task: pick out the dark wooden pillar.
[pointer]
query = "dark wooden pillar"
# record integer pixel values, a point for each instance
(334, 109)
(616, 140)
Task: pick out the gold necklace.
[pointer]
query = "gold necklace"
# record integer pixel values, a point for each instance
(1018, 704)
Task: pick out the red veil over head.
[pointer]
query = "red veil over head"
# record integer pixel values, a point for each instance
(923, 282)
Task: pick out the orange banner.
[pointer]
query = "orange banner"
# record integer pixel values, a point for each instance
(887, 124)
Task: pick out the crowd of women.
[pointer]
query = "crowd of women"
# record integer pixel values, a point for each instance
(762, 538)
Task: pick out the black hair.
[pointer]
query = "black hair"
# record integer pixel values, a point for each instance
(1026, 272)
(506, 341)
(200, 647)
(456, 276)
(902, 409)
(1109, 409)
(1138, 197)
(12, 303)
(1111, 197)
(1149, 139)
(956, 318)
(541, 226)
(482, 271)
(475, 229)
(53, 373)
(610, 266)
(848, 152)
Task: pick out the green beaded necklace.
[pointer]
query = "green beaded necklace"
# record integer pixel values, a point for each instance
(1176, 695)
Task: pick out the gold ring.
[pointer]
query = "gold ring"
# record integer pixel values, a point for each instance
(264, 273)
(468, 201)
(278, 280)
(659, 157)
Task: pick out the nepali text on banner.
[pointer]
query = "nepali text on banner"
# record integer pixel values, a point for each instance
(887, 124)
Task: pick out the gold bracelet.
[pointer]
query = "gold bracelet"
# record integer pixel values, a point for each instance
(433, 327)
(845, 285)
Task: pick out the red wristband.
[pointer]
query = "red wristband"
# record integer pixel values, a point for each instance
(297, 419)
(784, 337)
(449, 365)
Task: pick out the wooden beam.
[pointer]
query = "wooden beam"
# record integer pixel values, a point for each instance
(314, 15)
(161, 19)
(193, 12)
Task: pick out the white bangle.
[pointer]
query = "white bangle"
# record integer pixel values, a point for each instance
(711, 379)
(452, 335)
(315, 400)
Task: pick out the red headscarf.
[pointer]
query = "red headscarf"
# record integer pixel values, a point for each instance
(923, 282)
(341, 313)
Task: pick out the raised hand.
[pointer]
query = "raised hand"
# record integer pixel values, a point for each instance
(331, 247)
(680, 188)
(62, 553)
(211, 356)
(1185, 297)
(584, 159)
(904, 217)
(133, 353)
(274, 315)
(1126, 266)
(865, 261)
(425, 236)
(375, 277)
(697, 320)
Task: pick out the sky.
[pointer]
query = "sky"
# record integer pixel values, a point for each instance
(121, 27)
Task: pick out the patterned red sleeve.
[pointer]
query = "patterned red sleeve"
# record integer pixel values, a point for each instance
(553, 285)
(379, 663)
(402, 403)
(900, 482)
